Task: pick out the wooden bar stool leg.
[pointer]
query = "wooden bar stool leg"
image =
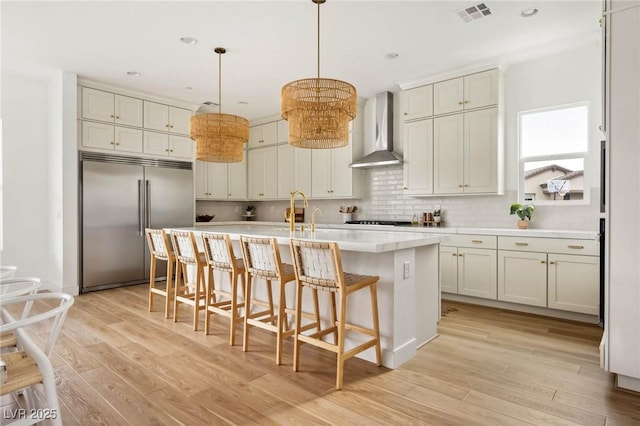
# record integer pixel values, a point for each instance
(316, 307)
(208, 300)
(298, 322)
(341, 331)
(247, 312)
(233, 279)
(280, 322)
(270, 299)
(176, 286)
(152, 281)
(376, 327)
(196, 298)
(169, 288)
(334, 318)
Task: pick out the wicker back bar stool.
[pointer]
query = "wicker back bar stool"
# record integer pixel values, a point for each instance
(160, 249)
(189, 290)
(219, 253)
(319, 266)
(262, 260)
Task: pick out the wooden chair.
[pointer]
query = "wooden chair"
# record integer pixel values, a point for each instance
(319, 266)
(29, 368)
(218, 251)
(160, 249)
(188, 290)
(262, 260)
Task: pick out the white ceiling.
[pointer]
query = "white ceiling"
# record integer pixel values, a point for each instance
(270, 43)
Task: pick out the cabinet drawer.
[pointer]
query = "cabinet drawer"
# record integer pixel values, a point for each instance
(550, 245)
(472, 241)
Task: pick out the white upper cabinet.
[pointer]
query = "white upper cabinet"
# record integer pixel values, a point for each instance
(167, 145)
(331, 176)
(221, 181)
(465, 153)
(104, 106)
(106, 136)
(166, 118)
(417, 102)
(263, 135)
(294, 170)
(418, 157)
(468, 92)
(263, 176)
(283, 131)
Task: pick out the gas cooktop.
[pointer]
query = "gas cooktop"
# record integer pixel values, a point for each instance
(378, 222)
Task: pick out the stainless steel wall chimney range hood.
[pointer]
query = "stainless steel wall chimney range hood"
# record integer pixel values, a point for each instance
(383, 154)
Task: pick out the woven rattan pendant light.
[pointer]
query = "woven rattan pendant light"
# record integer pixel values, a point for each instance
(318, 109)
(219, 137)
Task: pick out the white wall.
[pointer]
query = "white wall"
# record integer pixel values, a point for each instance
(25, 175)
(567, 77)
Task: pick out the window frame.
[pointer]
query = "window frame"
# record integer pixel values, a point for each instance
(552, 157)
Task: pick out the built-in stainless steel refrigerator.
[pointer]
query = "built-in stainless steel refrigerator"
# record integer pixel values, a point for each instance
(120, 197)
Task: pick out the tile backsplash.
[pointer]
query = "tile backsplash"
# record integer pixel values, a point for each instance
(383, 199)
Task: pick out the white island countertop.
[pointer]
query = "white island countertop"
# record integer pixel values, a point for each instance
(361, 240)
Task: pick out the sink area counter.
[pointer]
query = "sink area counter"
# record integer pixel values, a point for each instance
(406, 262)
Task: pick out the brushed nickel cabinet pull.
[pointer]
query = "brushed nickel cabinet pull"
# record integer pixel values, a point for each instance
(460, 103)
(542, 261)
(476, 241)
(453, 254)
(552, 263)
(406, 113)
(461, 255)
(573, 246)
(522, 244)
(466, 102)
(118, 117)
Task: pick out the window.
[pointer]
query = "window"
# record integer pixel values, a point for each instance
(553, 147)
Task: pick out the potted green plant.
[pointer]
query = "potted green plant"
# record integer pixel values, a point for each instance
(524, 212)
(251, 210)
(437, 215)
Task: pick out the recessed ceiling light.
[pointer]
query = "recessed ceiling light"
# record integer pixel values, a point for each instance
(134, 74)
(188, 40)
(188, 88)
(528, 13)
(243, 102)
(391, 55)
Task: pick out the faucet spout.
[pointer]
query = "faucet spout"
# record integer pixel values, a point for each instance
(313, 218)
(292, 208)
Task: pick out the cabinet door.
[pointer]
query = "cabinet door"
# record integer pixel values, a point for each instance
(179, 120)
(283, 131)
(522, 277)
(481, 89)
(202, 190)
(418, 102)
(477, 272)
(181, 147)
(255, 165)
(237, 179)
(156, 116)
(217, 180)
(481, 151)
(320, 173)
(448, 96)
(263, 135)
(97, 135)
(270, 172)
(448, 269)
(418, 157)
(448, 157)
(127, 139)
(341, 173)
(97, 105)
(574, 283)
(156, 143)
(294, 170)
(128, 111)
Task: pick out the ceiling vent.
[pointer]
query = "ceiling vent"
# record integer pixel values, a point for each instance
(210, 103)
(471, 13)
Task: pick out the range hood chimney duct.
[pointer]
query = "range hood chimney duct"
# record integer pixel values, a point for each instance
(383, 154)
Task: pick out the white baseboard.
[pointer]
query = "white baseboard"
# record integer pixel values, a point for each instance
(629, 383)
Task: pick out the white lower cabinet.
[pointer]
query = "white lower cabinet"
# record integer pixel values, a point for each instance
(573, 283)
(468, 266)
(522, 277)
(546, 272)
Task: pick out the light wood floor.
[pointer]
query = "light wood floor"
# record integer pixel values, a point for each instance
(118, 364)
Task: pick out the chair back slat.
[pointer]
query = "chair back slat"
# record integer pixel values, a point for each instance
(185, 247)
(317, 264)
(261, 256)
(158, 243)
(218, 251)
(7, 272)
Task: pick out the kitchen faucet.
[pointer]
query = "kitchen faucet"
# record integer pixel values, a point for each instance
(292, 209)
(313, 218)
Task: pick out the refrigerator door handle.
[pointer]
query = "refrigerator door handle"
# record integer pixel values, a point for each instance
(147, 204)
(141, 209)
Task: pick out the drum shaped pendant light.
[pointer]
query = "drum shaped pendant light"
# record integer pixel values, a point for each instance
(318, 109)
(219, 137)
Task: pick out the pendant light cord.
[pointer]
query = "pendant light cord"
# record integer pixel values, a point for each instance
(318, 40)
(220, 83)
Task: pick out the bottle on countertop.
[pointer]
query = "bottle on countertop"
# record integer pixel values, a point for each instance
(414, 220)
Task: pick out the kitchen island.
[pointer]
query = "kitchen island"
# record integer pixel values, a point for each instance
(408, 290)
